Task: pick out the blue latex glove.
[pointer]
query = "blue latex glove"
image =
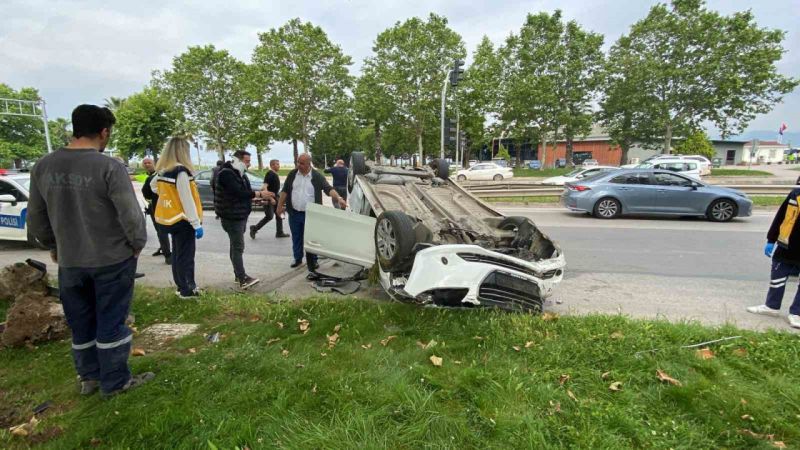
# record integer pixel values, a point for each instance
(769, 248)
(198, 233)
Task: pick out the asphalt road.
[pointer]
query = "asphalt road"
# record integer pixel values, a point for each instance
(676, 269)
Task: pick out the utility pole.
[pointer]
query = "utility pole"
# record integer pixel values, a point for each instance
(27, 108)
(453, 76)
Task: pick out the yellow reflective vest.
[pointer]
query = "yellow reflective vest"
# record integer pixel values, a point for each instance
(789, 219)
(169, 209)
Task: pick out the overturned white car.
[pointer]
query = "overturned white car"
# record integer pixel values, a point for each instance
(434, 242)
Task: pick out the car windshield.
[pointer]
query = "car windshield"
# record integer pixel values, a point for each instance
(24, 182)
(644, 166)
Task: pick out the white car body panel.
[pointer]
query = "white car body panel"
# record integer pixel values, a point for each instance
(340, 234)
(589, 171)
(485, 172)
(13, 217)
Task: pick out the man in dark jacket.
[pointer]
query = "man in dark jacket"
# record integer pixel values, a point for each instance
(783, 245)
(272, 183)
(304, 186)
(152, 200)
(233, 202)
(339, 174)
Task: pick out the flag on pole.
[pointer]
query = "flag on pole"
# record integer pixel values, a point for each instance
(782, 129)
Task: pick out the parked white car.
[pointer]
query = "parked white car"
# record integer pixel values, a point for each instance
(484, 172)
(577, 174)
(590, 163)
(433, 242)
(684, 167)
(14, 192)
(703, 163)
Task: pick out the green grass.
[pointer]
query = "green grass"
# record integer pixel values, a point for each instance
(767, 200)
(544, 173)
(739, 173)
(243, 392)
(531, 199)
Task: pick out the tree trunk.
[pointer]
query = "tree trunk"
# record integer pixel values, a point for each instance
(221, 151)
(305, 144)
(543, 156)
(378, 152)
(667, 140)
(421, 161)
(568, 153)
(625, 148)
(294, 149)
(260, 159)
(518, 149)
(17, 163)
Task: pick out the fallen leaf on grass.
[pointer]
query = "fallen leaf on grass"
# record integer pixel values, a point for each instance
(529, 344)
(740, 352)
(24, 429)
(478, 338)
(138, 352)
(457, 362)
(778, 444)
(704, 353)
(255, 319)
(549, 316)
(337, 328)
(664, 377)
(436, 361)
(743, 401)
(747, 417)
(605, 375)
(192, 351)
(299, 366)
(516, 348)
(425, 346)
(571, 395)
(279, 324)
(332, 340)
(556, 407)
(750, 433)
(95, 442)
(617, 335)
(323, 354)
(366, 346)
(563, 379)
(314, 389)
(615, 386)
(273, 340)
(385, 342)
(285, 353)
(304, 325)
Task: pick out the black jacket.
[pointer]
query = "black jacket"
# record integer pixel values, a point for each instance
(273, 182)
(149, 195)
(317, 180)
(786, 253)
(233, 197)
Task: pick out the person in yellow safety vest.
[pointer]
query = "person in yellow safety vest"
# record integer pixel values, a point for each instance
(179, 211)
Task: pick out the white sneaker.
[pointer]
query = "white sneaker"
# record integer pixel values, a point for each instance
(764, 310)
(794, 320)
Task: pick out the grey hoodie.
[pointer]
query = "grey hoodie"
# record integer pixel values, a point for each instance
(82, 203)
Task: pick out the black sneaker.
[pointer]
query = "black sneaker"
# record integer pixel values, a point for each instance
(248, 282)
(168, 260)
(296, 264)
(133, 383)
(194, 294)
(313, 267)
(282, 235)
(158, 253)
(88, 387)
(253, 232)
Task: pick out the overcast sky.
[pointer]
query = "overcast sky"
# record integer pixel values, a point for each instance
(84, 51)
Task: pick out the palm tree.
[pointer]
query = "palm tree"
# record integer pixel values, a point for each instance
(113, 103)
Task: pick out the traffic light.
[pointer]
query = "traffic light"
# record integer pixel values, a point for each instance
(457, 73)
(450, 128)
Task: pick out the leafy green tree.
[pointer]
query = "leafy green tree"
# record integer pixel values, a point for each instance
(478, 96)
(502, 153)
(21, 138)
(113, 103)
(411, 59)
(299, 77)
(338, 135)
(696, 143)
(144, 122)
(60, 132)
(373, 105)
(205, 85)
(694, 65)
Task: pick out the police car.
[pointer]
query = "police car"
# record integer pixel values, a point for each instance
(14, 188)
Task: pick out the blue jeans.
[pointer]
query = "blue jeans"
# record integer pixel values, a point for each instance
(184, 245)
(297, 224)
(96, 303)
(779, 275)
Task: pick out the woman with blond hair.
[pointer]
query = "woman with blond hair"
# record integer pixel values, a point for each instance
(179, 211)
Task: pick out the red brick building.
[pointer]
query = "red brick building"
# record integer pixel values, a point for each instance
(596, 145)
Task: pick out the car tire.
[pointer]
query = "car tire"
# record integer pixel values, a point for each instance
(721, 210)
(442, 169)
(497, 177)
(358, 166)
(607, 208)
(35, 243)
(394, 240)
(461, 178)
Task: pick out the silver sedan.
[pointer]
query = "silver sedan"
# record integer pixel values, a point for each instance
(654, 192)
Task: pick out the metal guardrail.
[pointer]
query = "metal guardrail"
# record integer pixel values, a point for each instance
(538, 190)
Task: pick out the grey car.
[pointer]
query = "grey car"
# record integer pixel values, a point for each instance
(203, 180)
(653, 192)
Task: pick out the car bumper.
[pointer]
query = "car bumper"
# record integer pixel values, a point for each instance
(745, 208)
(484, 277)
(577, 201)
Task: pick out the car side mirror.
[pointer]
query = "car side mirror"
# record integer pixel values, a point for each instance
(8, 198)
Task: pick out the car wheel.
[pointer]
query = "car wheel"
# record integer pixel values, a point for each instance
(461, 178)
(607, 208)
(358, 166)
(394, 240)
(498, 177)
(721, 210)
(442, 169)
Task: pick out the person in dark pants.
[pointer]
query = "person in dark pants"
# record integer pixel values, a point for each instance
(82, 206)
(304, 186)
(783, 245)
(152, 199)
(233, 202)
(272, 183)
(179, 211)
(339, 174)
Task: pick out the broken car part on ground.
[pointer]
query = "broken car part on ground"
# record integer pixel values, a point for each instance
(434, 242)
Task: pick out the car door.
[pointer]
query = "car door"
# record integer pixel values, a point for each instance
(674, 193)
(203, 181)
(338, 234)
(478, 172)
(635, 190)
(13, 214)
